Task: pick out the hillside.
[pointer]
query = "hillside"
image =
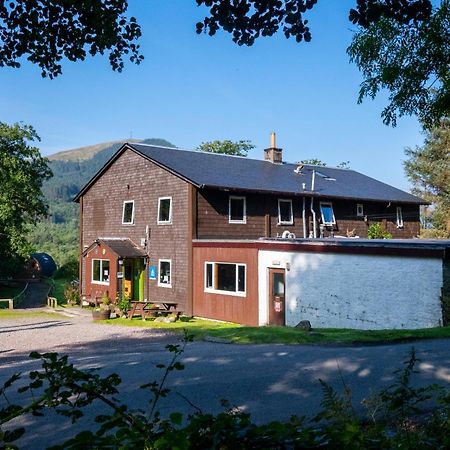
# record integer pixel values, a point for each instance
(88, 152)
(72, 169)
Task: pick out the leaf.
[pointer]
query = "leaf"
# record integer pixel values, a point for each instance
(176, 418)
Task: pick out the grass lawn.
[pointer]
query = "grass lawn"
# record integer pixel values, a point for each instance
(13, 314)
(239, 334)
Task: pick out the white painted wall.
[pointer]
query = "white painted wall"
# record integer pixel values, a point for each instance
(355, 291)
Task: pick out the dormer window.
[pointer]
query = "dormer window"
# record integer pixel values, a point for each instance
(237, 209)
(327, 213)
(128, 212)
(285, 214)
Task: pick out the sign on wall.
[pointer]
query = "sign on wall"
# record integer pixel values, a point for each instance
(152, 273)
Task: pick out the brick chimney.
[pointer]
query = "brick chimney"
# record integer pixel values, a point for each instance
(273, 154)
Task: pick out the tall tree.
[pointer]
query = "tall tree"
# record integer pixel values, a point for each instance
(428, 168)
(227, 147)
(46, 31)
(411, 60)
(23, 171)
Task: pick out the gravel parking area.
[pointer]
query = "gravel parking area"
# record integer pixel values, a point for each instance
(66, 331)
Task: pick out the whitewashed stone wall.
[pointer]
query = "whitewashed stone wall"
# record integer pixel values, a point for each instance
(355, 291)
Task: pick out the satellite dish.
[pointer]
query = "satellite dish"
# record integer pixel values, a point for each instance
(285, 234)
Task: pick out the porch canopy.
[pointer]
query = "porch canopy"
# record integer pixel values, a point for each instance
(122, 247)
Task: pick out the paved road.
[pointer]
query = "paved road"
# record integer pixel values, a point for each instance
(270, 381)
(35, 295)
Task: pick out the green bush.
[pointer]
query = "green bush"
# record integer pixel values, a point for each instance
(376, 231)
(71, 294)
(68, 270)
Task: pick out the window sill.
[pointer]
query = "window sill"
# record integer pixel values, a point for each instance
(168, 286)
(242, 222)
(103, 283)
(126, 224)
(232, 294)
(164, 223)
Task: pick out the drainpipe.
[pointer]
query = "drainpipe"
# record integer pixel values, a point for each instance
(304, 217)
(313, 181)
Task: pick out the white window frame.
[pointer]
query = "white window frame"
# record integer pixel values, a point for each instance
(285, 222)
(359, 210)
(237, 197)
(123, 213)
(330, 204)
(218, 291)
(104, 283)
(165, 222)
(399, 213)
(165, 285)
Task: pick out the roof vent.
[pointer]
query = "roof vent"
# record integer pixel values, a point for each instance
(273, 154)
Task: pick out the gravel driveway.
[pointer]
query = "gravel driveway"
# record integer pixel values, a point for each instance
(58, 332)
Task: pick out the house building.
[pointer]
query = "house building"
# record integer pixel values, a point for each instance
(154, 221)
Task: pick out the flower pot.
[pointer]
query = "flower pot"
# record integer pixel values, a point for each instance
(102, 314)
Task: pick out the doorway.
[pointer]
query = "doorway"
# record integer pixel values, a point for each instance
(277, 314)
(133, 283)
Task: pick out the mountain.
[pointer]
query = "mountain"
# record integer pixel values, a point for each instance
(83, 153)
(72, 169)
(57, 234)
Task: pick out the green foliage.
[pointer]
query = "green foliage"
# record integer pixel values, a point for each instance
(227, 147)
(314, 162)
(72, 294)
(60, 240)
(124, 304)
(68, 390)
(69, 270)
(410, 59)
(376, 231)
(428, 168)
(23, 172)
(66, 29)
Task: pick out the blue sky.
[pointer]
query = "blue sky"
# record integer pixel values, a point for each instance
(192, 88)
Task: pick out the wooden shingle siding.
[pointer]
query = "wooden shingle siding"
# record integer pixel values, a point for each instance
(262, 215)
(213, 221)
(132, 177)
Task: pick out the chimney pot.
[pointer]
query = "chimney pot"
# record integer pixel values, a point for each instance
(273, 154)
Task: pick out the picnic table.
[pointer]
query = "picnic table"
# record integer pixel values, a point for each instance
(146, 309)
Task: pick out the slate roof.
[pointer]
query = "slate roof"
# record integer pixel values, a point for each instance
(210, 170)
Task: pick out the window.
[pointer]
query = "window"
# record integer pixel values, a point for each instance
(285, 216)
(100, 271)
(237, 210)
(165, 273)
(326, 210)
(399, 217)
(128, 213)
(360, 210)
(164, 210)
(225, 278)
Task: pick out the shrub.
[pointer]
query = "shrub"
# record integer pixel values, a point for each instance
(71, 294)
(376, 231)
(68, 270)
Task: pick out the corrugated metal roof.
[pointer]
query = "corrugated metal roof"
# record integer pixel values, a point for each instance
(238, 173)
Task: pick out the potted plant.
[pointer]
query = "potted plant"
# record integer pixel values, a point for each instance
(103, 311)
